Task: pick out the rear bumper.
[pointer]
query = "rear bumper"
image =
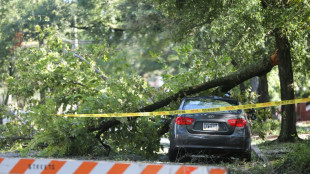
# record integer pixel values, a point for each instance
(238, 142)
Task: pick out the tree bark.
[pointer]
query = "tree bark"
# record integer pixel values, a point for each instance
(262, 91)
(288, 125)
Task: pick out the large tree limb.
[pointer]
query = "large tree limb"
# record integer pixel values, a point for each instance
(224, 84)
(104, 126)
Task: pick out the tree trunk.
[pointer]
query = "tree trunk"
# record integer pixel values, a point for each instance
(262, 91)
(288, 125)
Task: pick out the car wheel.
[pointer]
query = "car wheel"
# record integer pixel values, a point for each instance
(172, 153)
(177, 155)
(184, 158)
(246, 156)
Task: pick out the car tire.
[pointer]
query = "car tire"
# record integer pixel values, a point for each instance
(177, 155)
(246, 156)
(172, 154)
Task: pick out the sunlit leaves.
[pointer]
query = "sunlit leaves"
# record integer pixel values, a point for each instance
(72, 86)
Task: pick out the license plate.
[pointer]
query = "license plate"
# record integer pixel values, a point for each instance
(210, 126)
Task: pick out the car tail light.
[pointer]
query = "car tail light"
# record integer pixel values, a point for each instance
(237, 122)
(184, 121)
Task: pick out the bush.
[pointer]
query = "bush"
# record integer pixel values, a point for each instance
(263, 128)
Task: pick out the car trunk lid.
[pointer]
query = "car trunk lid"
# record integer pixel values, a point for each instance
(212, 123)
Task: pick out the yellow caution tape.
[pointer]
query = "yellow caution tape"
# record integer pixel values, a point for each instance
(193, 111)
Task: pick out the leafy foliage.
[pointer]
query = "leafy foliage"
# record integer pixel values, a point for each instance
(73, 86)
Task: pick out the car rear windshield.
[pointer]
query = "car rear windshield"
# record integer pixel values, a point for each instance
(209, 103)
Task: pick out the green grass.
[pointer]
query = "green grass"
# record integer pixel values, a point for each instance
(283, 158)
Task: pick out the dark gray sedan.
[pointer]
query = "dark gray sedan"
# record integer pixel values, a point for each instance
(224, 133)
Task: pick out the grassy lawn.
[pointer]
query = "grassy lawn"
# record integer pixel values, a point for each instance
(283, 158)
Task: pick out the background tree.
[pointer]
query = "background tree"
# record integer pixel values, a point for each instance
(10, 39)
(277, 15)
(254, 24)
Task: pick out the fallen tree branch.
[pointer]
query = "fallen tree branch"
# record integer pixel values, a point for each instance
(224, 84)
(261, 155)
(104, 126)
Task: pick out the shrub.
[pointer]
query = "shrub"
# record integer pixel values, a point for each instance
(263, 128)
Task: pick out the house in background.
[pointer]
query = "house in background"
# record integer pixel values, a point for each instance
(303, 112)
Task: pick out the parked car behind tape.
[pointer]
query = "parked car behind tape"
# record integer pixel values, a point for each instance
(220, 133)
